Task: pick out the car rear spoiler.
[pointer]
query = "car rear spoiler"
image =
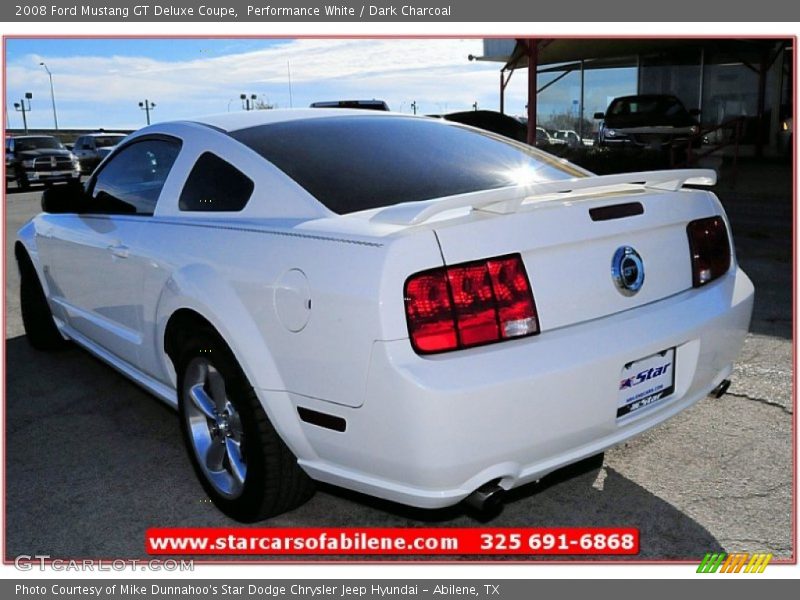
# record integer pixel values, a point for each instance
(510, 199)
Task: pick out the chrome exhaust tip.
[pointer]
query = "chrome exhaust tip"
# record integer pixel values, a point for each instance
(486, 499)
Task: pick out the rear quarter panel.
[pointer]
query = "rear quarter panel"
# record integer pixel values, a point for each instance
(234, 277)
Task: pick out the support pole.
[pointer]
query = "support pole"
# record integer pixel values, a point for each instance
(762, 89)
(532, 47)
(580, 115)
(502, 94)
(702, 83)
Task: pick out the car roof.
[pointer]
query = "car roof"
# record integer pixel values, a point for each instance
(235, 121)
(104, 134)
(351, 104)
(646, 96)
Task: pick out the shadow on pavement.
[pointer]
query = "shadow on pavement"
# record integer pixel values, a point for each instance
(93, 461)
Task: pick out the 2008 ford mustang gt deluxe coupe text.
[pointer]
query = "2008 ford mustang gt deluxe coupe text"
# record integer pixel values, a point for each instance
(402, 306)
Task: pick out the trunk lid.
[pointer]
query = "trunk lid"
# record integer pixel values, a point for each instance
(568, 248)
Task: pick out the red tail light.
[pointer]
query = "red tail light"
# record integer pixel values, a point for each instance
(469, 304)
(710, 249)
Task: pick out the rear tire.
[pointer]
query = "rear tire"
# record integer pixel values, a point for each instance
(242, 463)
(40, 328)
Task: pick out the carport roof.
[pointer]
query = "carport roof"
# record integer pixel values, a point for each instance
(607, 51)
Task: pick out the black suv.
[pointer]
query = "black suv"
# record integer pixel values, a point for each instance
(653, 121)
(39, 159)
(366, 104)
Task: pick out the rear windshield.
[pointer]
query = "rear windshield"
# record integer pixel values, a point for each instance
(107, 141)
(357, 163)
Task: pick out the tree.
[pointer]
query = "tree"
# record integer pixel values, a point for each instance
(566, 120)
(262, 104)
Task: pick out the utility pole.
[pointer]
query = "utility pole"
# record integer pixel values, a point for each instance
(147, 106)
(52, 94)
(414, 106)
(289, 73)
(20, 107)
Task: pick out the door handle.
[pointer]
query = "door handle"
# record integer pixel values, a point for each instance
(119, 250)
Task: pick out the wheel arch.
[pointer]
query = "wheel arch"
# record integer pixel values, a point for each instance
(25, 252)
(26, 242)
(179, 313)
(199, 294)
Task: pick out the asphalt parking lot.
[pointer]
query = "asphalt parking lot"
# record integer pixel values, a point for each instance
(92, 461)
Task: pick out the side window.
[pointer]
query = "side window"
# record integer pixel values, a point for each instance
(131, 182)
(215, 185)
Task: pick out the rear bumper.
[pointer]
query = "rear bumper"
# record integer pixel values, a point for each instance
(434, 429)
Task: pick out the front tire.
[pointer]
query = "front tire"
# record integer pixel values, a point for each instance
(244, 466)
(40, 328)
(22, 181)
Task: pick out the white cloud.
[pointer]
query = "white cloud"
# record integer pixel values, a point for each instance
(435, 72)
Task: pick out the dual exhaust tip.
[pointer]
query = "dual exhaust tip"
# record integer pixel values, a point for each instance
(487, 499)
(719, 391)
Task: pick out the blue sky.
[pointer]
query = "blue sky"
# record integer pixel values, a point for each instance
(99, 82)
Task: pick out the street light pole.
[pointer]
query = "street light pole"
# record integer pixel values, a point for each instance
(246, 101)
(20, 107)
(147, 106)
(52, 94)
(289, 73)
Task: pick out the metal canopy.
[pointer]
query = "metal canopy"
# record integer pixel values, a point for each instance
(566, 54)
(565, 50)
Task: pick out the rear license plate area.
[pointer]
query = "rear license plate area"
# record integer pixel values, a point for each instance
(646, 381)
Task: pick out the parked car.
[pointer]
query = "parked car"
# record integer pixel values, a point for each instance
(92, 148)
(569, 137)
(363, 104)
(378, 301)
(39, 159)
(653, 121)
(544, 139)
(490, 120)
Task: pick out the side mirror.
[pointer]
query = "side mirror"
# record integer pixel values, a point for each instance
(63, 199)
(599, 115)
(695, 112)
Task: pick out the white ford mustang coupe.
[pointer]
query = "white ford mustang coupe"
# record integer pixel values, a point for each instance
(410, 308)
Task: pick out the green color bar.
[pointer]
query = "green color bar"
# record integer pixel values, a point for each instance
(701, 569)
(711, 562)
